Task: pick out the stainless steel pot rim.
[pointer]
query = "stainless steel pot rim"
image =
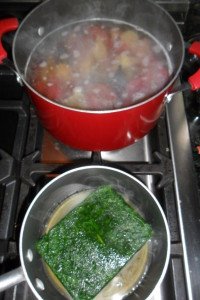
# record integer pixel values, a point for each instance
(87, 168)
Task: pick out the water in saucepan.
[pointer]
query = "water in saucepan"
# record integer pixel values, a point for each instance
(131, 275)
(98, 65)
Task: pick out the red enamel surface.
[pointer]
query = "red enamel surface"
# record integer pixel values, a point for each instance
(194, 80)
(195, 48)
(98, 131)
(6, 25)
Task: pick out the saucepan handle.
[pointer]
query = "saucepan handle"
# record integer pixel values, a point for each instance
(11, 278)
(193, 82)
(6, 25)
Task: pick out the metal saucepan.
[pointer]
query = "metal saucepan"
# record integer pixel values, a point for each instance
(60, 188)
(102, 129)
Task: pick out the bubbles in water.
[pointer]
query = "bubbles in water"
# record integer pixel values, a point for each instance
(126, 63)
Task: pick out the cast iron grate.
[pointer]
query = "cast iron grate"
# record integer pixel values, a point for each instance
(24, 175)
(162, 167)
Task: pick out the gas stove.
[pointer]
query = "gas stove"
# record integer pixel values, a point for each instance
(166, 160)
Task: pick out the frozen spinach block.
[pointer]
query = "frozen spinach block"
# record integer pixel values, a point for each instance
(91, 244)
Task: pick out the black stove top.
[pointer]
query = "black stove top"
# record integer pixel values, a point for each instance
(166, 160)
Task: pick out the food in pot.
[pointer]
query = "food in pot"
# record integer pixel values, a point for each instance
(93, 242)
(98, 66)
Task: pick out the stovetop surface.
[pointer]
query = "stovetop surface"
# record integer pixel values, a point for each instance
(30, 157)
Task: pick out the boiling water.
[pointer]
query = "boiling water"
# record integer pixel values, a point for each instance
(98, 65)
(126, 280)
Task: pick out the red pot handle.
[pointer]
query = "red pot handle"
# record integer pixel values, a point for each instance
(194, 80)
(6, 25)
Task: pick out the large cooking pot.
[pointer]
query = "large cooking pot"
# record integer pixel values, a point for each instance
(89, 129)
(60, 188)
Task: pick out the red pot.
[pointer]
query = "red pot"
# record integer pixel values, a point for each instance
(103, 130)
(87, 129)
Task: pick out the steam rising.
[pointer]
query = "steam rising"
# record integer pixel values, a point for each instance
(51, 15)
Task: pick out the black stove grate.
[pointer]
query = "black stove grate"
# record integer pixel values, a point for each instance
(22, 176)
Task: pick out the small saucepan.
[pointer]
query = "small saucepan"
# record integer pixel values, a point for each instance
(53, 194)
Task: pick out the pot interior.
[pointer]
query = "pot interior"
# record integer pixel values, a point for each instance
(87, 178)
(145, 15)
